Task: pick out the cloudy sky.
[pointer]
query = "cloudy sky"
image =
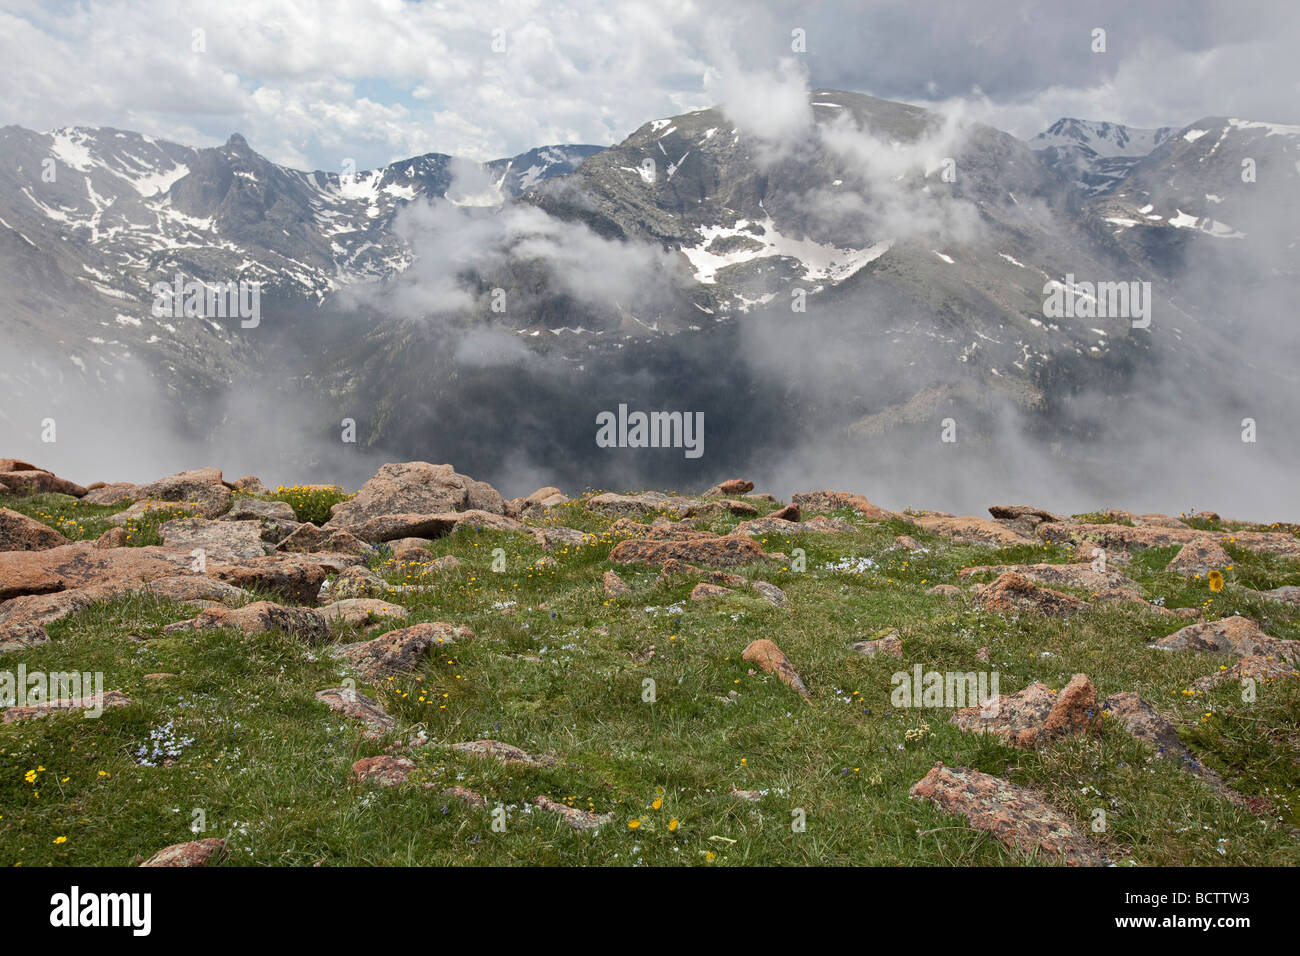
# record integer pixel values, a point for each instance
(310, 82)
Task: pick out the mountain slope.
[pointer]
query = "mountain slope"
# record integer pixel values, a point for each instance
(1233, 181)
(91, 219)
(842, 279)
(861, 210)
(877, 269)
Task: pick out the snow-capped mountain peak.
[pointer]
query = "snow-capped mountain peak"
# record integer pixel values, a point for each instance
(1094, 154)
(1102, 138)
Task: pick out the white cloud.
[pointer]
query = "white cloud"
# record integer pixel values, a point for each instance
(771, 104)
(373, 79)
(308, 81)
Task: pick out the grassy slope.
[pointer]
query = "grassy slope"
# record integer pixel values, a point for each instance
(268, 765)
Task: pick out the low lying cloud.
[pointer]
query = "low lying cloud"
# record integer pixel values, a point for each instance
(771, 104)
(458, 250)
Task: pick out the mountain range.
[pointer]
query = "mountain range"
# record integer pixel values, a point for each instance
(883, 268)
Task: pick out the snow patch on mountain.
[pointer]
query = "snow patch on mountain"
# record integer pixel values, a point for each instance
(1274, 129)
(760, 239)
(70, 147)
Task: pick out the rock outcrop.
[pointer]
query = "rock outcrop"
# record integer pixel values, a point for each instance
(717, 551)
(412, 488)
(1235, 635)
(23, 478)
(304, 623)
(1036, 715)
(1015, 816)
(400, 651)
(1013, 593)
(21, 533)
(823, 501)
(1200, 556)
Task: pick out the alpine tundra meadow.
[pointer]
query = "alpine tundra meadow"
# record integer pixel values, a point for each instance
(707, 436)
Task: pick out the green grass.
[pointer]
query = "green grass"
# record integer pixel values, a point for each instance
(309, 503)
(79, 521)
(563, 671)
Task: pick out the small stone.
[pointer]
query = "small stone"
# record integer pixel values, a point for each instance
(578, 819)
(250, 484)
(1232, 635)
(465, 795)
(891, 645)
(357, 582)
(91, 704)
(306, 624)
(190, 588)
(17, 635)
(970, 530)
(839, 501)
(1266, 669)
(733, 486)
(556, 537)
(194, 853)
(384, 770)
(1140, 719)
(504, 752)
(707, 592)
(112, 538)
(674, 567)
(348, 702)
(770, 658)
(726, 551)
(771, 593)
(1290, 593)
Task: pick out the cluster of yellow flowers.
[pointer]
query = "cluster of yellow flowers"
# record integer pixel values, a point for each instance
(311, 502)
(646, 820)
(68, 527)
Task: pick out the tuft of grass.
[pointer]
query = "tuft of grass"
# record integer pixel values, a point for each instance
(1101, 517)
(71, 517)
(310, 502)
(77, 520)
